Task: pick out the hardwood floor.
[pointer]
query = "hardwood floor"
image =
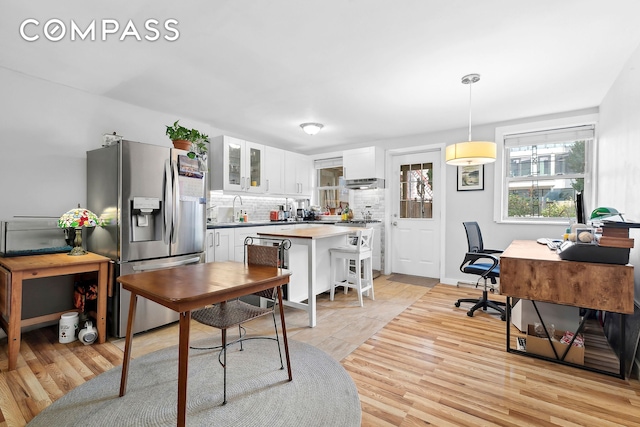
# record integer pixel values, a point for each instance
(415, 358)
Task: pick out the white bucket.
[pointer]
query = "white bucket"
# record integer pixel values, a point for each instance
(68, 327)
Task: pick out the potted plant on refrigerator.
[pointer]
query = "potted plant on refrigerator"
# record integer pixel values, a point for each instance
(187, 139)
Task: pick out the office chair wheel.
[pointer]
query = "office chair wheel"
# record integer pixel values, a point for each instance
(470, 313)
(492, 290)
(457, 304)
(503, 317)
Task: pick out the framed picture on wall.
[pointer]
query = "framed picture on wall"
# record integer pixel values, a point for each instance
(470, 178)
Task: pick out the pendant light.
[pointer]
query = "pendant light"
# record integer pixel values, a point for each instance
(471, 152)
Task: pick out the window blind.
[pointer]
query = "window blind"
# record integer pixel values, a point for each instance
(327, 163)
(553, 136)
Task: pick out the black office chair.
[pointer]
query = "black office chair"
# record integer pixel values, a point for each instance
(486, 270)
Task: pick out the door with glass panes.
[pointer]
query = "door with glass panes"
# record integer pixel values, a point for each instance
(415, 214)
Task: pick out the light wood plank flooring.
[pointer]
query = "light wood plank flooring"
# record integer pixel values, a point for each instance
(415, 358)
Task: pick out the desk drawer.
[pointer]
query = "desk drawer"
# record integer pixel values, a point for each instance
(5, 291)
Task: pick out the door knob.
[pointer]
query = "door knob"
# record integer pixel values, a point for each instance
(395, 223)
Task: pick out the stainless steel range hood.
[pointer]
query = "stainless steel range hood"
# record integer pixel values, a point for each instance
(364, 184)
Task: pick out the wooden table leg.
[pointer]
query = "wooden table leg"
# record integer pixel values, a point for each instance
(127, 345)
(284, 332)
(103, 284)
(183, 367)
(15, 318)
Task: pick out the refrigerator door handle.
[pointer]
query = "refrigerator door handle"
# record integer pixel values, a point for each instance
(147, 267)
(168, 202)
(176, 203)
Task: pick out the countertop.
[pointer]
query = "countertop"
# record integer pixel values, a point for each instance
(211, 225)
(353, 222)
(311, 232)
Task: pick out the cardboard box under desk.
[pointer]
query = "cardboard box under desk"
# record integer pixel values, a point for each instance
(542, 346)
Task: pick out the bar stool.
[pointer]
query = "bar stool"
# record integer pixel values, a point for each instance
(359, 251)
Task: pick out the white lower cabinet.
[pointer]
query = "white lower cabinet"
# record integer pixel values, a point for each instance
(227, 244)
(209, 255)
(219, 244)
(241, 233)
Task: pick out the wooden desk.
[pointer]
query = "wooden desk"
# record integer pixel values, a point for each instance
(531, 271)
(310, 261)
(15, 270)
(189, 287)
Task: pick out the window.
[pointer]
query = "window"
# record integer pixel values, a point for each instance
(543, 171)
(331, 190)
(416, 190)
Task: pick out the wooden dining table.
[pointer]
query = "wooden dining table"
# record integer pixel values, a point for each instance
(186, 288)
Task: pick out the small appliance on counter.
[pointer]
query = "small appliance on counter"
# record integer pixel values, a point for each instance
(311, 215)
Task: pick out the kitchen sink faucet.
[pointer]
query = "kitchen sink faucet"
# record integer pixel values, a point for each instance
(234, 206)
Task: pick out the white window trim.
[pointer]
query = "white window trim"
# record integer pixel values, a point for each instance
(499, 181)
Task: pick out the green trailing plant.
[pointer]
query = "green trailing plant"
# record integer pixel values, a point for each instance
(198, 140)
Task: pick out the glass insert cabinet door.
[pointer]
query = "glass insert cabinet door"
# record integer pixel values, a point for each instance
(243, 165)
(235, 163)
(416, 190)
(255, 167)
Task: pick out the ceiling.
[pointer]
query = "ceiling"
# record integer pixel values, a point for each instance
(367, 69)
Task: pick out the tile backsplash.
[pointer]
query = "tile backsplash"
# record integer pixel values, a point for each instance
(257, 208)
(363, 198)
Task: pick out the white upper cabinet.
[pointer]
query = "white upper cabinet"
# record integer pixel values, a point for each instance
(274, 171)
(363, 163)
(237, 165)
(297, 174)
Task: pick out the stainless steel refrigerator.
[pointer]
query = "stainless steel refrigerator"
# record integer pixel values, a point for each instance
(154, 199)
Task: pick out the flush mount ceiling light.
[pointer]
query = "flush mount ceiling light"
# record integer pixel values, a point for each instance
(470, 152)
(311, 128)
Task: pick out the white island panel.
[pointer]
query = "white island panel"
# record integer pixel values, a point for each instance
(310, 263)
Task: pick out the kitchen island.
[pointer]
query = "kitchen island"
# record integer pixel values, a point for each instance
(310, 263)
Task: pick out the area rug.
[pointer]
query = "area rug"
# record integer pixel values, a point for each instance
(414, 280)
(258, 392)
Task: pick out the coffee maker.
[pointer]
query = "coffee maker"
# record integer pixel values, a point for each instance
(302, 209)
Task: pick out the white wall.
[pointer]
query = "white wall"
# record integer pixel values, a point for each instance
(47, 129)
(477, 206)
(619, 152)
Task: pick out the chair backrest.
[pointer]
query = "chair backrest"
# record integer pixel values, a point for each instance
(362, 239)
(474, 237)
(268, 253)
(263, 255)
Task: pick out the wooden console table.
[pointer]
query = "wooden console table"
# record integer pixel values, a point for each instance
(531, 271)
(15, 270)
